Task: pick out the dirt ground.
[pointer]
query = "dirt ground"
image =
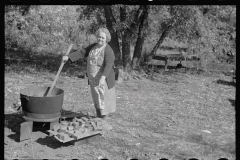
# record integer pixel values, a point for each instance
(173, 115)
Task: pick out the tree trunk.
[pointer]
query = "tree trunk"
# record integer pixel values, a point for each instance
(128, 34)
(140, 40)
(164, 34)
(161, 39)
(114, 37)
(137, 52)
(126, 57)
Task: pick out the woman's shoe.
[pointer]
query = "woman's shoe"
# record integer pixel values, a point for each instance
(104, 117)
(107, 116)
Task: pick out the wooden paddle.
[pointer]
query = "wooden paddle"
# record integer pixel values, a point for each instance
(47, 94)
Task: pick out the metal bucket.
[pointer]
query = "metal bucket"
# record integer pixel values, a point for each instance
(36, 105)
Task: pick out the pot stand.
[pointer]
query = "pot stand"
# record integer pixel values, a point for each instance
(27, 127)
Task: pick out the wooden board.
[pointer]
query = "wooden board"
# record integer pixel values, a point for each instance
(88, 134)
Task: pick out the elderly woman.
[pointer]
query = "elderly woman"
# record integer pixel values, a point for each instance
(101, 76)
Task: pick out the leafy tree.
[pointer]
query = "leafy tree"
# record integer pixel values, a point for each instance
(48, 28)
(175, 20)
(205, 29)
(208, 31)
(142, 34)
(125, 24)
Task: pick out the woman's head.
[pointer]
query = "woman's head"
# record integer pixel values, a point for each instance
(103, 36)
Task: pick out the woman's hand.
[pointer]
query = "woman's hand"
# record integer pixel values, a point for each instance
(102, 81)
(65, 59)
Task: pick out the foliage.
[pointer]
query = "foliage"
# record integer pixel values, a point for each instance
(208, 31)
(48, 28)
(217, 28)
(93, 18)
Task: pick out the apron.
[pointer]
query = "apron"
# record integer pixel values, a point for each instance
(103, 98)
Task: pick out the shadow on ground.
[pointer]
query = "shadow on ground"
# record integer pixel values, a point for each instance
(153, 72)
(228, 83)
(159, 66)
(52, 142)
(42, 62)
(232, 101)
(13, 122)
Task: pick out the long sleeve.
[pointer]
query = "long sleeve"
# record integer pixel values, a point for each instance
(76, 55)
(81, 53)
(109, 61)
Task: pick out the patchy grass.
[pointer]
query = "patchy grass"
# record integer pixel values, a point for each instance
(176, 114)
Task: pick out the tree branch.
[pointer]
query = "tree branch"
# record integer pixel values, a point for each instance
(137, 19)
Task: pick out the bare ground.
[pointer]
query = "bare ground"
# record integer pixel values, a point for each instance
(174, 115)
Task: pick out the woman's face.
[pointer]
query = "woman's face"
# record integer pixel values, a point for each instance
(101, 38)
